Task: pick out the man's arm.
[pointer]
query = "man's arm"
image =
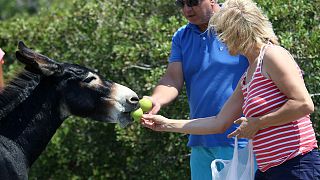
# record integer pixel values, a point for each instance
(168, 87)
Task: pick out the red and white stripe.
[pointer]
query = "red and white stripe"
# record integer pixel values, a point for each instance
(274, 145)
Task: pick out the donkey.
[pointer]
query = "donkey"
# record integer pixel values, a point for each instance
(35, 103)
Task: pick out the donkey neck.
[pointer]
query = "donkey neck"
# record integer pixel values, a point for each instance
(33, 122)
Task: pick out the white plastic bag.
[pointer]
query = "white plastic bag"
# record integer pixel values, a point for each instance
(240, 167)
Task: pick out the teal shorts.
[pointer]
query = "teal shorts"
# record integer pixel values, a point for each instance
(201, 158)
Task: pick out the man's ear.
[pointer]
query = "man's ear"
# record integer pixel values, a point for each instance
(215, 5)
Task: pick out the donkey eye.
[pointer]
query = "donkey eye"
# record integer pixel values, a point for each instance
(89, 79)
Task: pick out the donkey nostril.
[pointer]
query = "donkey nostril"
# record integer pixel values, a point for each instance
(133, 100)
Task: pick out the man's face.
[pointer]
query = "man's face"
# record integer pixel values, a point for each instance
(200, 11)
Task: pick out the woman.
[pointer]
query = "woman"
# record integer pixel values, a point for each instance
(1, 72)
(271, 94)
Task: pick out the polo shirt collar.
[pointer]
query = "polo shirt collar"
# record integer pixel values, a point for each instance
(196, 29)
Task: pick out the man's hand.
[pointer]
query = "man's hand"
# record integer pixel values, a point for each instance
(156, 106)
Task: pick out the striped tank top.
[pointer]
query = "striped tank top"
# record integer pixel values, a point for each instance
(277, 144)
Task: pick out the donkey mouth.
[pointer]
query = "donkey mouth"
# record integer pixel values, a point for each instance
(125, 119)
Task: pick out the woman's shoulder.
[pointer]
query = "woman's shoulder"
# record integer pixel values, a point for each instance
(276, 54)
(278, 59)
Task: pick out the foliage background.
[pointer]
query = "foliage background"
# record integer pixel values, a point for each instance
(128, 42)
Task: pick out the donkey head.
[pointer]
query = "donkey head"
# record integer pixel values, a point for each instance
(83, 92)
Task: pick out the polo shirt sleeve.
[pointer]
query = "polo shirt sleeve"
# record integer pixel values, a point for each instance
(176, 52)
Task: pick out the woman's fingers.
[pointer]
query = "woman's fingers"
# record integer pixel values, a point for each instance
(153, 122)
(234, 133)
(241, 130)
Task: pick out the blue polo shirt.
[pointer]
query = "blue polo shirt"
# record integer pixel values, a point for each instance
(211, 74)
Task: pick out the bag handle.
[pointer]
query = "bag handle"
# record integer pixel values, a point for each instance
(250, 165)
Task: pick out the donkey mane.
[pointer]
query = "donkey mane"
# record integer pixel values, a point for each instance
(17, 91)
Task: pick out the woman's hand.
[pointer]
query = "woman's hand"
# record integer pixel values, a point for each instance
(247, 129)
(155, 122)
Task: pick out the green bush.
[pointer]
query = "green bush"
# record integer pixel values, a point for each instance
(129, 42)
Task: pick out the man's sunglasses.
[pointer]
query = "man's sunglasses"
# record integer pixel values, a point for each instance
(189, 3)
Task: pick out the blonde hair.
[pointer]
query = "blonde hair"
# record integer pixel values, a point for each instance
(241, 25)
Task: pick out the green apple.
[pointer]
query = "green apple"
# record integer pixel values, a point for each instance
(145, 104)
(137, 114)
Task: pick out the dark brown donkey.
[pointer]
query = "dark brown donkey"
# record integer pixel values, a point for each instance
(35, 103)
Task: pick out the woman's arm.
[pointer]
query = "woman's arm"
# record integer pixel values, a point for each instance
(1, 77)
(209, 125)
(1, 71)
(283, 71)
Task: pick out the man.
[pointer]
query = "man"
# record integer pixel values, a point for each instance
(210, 74)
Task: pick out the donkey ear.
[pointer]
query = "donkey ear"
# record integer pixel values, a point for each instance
(36, 62)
